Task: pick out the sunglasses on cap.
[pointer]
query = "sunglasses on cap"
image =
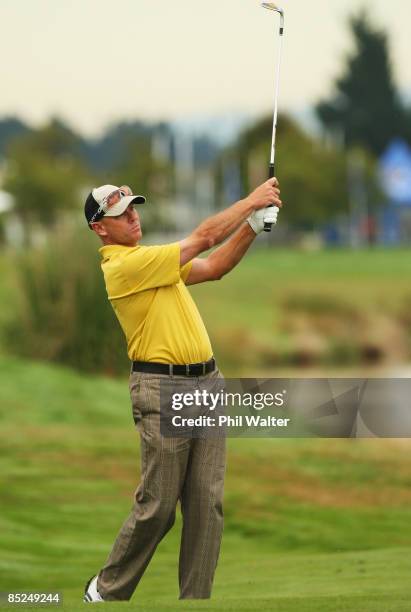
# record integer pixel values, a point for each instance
(112, 198)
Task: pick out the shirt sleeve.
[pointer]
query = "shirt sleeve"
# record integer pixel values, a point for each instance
(185, 270)
(152, 267)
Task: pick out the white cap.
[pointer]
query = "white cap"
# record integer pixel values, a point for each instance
(102, 195)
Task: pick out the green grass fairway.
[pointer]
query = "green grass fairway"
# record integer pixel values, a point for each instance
(284, 308)
(311, 525)
(254, 290)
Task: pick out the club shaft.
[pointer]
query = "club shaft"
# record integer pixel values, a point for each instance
(268, 226)
(276, 95)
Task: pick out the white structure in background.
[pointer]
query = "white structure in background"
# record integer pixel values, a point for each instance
(184, 206)
(13, 230)
(161, 146)
(195, 186)
(204, 194)
(6, 202)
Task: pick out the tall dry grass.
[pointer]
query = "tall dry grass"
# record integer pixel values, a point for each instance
(61, 309)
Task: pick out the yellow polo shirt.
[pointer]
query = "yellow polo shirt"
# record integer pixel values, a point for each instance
(146, 287)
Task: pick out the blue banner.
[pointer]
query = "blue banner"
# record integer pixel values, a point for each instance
(395, 172)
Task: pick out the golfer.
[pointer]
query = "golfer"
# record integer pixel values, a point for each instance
(167, 339)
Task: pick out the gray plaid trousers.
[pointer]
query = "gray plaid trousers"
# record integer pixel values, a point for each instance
(187, 469)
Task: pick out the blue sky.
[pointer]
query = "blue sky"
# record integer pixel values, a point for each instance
(95, 61)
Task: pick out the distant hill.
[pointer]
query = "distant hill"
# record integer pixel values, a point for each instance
(104, 153)
(10, 128)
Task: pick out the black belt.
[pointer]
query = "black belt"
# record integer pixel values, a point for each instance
(190, 369)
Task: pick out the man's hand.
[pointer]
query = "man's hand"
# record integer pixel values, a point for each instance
(266, 194)
(217, 228)
(264, 215)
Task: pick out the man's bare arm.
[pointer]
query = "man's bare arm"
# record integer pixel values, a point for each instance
(217, 228)
(222, 260)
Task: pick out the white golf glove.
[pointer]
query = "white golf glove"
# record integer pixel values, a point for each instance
(264, 215)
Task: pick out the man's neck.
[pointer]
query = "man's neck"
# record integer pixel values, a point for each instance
(107, 242)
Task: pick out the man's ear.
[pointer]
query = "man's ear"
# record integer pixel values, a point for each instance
(99, 228)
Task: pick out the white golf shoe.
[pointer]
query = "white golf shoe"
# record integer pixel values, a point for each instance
(91, 594)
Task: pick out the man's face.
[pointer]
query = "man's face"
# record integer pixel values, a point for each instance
(124, 229)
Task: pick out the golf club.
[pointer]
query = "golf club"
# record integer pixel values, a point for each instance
(272, 7)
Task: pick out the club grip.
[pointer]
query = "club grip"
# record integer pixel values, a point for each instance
(268, 226)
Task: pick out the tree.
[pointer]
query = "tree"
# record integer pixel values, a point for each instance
(312, 176)
(44, 174)
(147, 172)
(365, 108)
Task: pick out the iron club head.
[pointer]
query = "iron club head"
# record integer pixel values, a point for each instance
(272, 7)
